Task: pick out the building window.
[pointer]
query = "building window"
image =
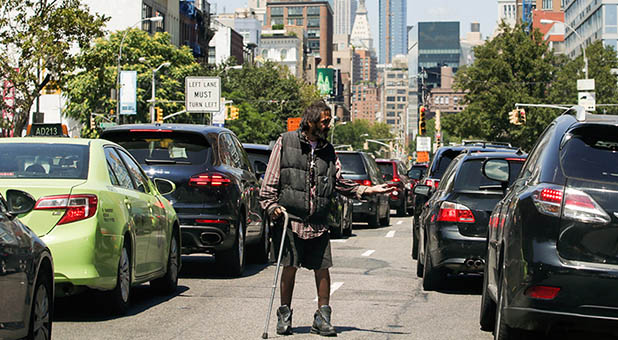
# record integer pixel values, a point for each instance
(313, 22)
(313, 10)
(313, 33)
(295, 21)
(295, 11)
(435, 100)
(390, 114)
(276, 11)
(547, 4)
(146, 13)
(446, 99)
(401, 91)
(284, 54)
(611, 42)
(338, 60)
(390, 98)
(401, 99)
(314, 44)
(391, 121)
(276, 21)
(611, 21)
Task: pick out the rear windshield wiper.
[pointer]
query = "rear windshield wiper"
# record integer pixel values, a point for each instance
(490, 186)
(166, 161)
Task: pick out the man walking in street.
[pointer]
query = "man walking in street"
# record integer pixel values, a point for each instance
(302, 176)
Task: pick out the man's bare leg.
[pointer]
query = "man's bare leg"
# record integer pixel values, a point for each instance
(322, 282)
(288, 276)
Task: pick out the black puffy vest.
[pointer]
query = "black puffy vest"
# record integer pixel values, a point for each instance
(295, 181)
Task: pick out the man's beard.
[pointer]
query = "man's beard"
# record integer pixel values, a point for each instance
(321, 134)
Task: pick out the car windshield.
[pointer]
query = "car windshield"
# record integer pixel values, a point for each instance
(43, 160)
(386, 168)
(591, 153)
(471, 178)
(164, 148)
(351, 163)
(415, 173)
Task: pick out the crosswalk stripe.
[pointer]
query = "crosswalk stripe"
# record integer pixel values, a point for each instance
(368, 252)
(390, 233)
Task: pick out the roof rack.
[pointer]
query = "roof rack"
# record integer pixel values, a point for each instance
(485, 143)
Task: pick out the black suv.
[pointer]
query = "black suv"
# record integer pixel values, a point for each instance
(362, 168)
(440, 162)
(453, 224)
(216, 196)
(552, 254)
(395, 174)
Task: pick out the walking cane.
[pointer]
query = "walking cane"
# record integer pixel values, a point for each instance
(272, 295)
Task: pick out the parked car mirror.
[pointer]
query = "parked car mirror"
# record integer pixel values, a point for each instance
(19, 202)
(422, 190)
(164, 186)
(497, 170)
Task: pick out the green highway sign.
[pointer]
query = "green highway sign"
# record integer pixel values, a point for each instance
(106, 125)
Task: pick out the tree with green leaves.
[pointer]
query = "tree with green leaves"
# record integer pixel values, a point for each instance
(89, 90)
(356, 132)
(37, 40)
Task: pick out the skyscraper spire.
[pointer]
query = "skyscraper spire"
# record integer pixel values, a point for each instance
(361, 33)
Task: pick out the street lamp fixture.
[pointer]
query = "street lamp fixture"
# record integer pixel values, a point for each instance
(549, 21)
(152, 98)
(151, 19)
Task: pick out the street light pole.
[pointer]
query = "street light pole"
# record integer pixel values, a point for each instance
(549, 21)
(152, 97)
(151, 19)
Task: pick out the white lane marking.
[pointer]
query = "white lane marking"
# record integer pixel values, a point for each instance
(399, 222)
(368, 253)
(390, 233)
(333, 287)
(339, 240)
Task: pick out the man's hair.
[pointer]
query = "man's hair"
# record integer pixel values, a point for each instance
(313, 114)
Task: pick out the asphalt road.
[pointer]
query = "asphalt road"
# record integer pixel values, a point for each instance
(375, 295)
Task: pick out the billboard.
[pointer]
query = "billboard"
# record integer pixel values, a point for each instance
(325, 81)
(128, 92)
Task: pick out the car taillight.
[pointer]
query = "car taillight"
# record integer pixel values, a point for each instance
(396, 179)
(208, 221)
(209, 179)
(432, 183)
(571, 203)
(364, 182)
(455, 212)
(78, 207)
(542, 292)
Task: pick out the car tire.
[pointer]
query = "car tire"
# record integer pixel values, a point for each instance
(120, 296)
(232, 261)
(501, 330)
(167, 284)
(348, 231)
(386, 221)
(432, 277)
(402, 211)
(487, 317)
(414, 243)
(41, 312)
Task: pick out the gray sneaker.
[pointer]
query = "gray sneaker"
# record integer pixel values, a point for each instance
(284, 320)
(321, 322)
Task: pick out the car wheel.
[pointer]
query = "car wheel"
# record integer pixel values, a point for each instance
(432, 277)
(502, 331)
(414, 243)
(402, 211)
(42, 308)
(348, 221)
(169, 282)
(232, 261)
(386, 221)
(487, 317)
(119, 297)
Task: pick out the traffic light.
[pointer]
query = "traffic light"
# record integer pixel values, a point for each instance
(159, 115)
(92, 123)
(233, 112)
(522, 116)
(422, 127)
(514, 117)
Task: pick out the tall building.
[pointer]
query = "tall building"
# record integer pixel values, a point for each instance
(395, 95)
(438, 45)
(507, 12)
(367, 62)
(361, 33)
(345, 11)
(316, 17)
(365, 101)
(594, 20)
(393, 29)
(285, 46)
(472, 39)
(259, 8)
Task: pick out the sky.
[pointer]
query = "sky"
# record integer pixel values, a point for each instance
(465, 11)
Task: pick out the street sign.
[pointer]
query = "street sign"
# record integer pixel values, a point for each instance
(105, 125)
(128, 92)
(294, 123)
(422, 156)
(587, 100)
(423, 144)
(202, 94)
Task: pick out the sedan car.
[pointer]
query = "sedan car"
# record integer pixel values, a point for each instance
(26, 274)
(453, 224)
(552, 256)
(106, 223)
(217, 190)
(362, 168)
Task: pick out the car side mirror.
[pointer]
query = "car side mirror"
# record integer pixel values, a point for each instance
(19, 202)
(497, 170)
(423, 190)
(164, 186)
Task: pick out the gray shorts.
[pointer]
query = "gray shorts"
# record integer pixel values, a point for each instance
(312, 253)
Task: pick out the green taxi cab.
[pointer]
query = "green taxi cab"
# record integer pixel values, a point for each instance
(106, 223)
